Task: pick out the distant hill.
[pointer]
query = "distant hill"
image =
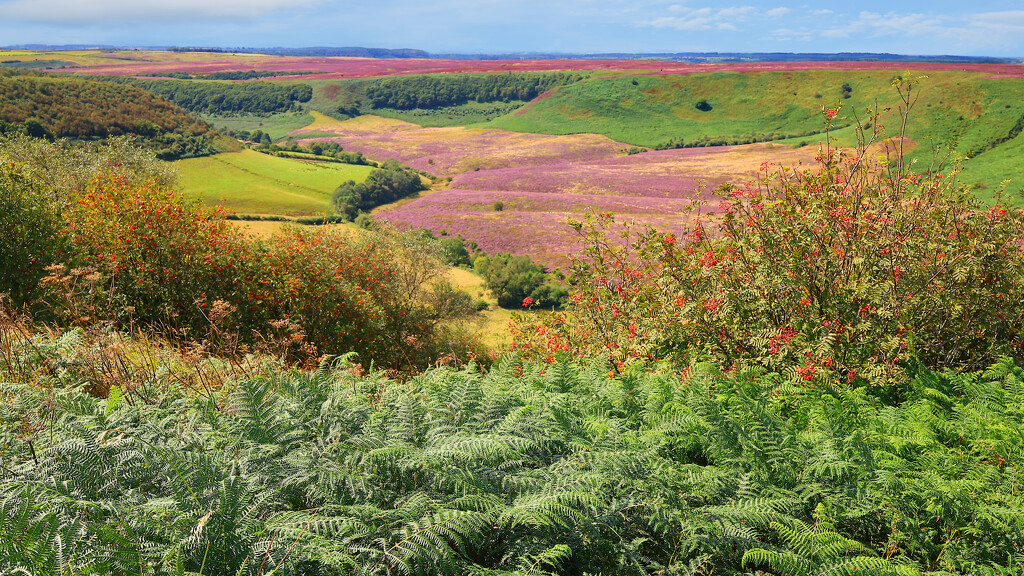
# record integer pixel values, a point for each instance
(724, 57)
(351, 52)
(693, 57)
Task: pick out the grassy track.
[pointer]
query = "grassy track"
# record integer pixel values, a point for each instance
(492, 324)
(248, 182)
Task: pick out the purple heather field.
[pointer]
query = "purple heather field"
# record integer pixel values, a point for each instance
(542, 181)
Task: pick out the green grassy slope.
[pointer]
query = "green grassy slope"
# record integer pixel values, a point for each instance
(248, 182)
(650, 110)
(971, 114)
(988, 170)
(277, 125)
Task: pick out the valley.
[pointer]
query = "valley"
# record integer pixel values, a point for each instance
(294, 313)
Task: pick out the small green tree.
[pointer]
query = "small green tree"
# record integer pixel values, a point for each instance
(34, 128)
(517, 281)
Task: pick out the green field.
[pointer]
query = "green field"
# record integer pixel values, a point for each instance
(277, 125)
(650, 110)
(988, 170)
(249, 182)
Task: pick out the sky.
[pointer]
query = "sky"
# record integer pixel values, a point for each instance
(937, 27)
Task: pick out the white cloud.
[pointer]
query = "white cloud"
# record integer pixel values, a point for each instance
(875, 25)
(100, 11)
(706, 18)
(776, 12)
(971, 32)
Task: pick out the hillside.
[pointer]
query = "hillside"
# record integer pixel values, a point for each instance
(767, 359)
(63, 107)
(972, 114)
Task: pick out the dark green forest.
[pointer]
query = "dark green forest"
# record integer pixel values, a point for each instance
(407, 93)
(225, 98)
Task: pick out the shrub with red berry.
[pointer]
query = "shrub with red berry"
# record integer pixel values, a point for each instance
(847, 270)
(166, 263)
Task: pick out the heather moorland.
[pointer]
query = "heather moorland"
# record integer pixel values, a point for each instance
(769, 317)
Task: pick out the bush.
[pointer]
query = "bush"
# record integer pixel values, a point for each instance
(167, 264)
(31, 239)
(516, 281)
(845, 271)
(381, 295)
(168, 261)
(384, 185)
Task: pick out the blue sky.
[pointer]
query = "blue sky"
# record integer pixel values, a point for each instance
(993, 28)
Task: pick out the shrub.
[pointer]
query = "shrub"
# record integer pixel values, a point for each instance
(381, 295)
(62, 167)
(386, 184)
(451, 250)
(171, 265)
(703, 106)
(31, 239)
(514, 279)
(847, 270)
(168, 261)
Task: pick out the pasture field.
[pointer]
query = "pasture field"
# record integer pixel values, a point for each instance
(277, 125)
(249, 182)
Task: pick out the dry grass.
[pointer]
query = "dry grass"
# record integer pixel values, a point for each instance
(100, 360)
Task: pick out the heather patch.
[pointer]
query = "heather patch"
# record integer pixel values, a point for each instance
(541, 181)
(450, 151)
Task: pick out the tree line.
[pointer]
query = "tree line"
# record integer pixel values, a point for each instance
(409, 92)
(226, 98)
(386, 184)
